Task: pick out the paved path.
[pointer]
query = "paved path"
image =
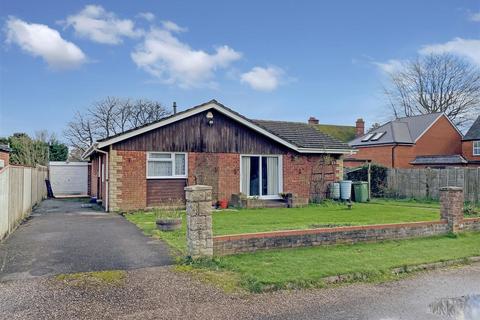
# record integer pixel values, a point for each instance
(64, 237)
(160, 293)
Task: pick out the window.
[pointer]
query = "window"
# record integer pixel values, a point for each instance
(367, 137)
(476, 148)
(166, 165)
(377, 136)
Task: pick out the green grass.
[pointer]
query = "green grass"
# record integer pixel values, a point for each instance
(314, 216)
(305, 267)
(96, 278)
(328, 214)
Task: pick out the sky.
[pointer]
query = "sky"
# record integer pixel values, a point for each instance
(280, 60)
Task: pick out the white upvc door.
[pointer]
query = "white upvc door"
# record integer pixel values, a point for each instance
(261, 176)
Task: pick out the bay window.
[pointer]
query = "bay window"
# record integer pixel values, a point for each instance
(163, 165)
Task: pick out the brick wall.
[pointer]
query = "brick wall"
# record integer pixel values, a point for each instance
(308, 176)
(467, 151)
(128, 180)
(224, 245)
(221, 171)
(5, 156)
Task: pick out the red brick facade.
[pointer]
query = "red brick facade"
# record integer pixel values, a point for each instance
(467, 152)
(441, 139)
(5, 156)
(306, 176)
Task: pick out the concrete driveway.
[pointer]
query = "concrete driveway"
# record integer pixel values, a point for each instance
(65, 237)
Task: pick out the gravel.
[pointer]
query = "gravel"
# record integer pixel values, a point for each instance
(161, 293)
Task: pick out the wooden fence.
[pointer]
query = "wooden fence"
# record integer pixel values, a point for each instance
(20, 189)
(425, 183)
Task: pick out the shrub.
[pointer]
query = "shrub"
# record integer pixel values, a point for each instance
(378, 178)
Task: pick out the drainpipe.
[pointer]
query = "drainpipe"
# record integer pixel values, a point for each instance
(393, 155)
(107, 180)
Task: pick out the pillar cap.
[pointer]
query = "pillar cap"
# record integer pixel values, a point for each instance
(451, 189)
(198, 187)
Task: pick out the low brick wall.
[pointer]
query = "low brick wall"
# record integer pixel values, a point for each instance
(233, 244)
(471, 224)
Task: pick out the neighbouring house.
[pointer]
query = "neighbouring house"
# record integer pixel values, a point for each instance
(471, 144)
(4, 156)
(429, 140)
(213, 145)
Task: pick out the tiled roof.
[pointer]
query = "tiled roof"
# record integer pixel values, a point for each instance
(474, 132)
(403, 130)
(446, 159)
(301, 134)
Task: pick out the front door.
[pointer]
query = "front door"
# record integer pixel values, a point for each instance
(261, 176)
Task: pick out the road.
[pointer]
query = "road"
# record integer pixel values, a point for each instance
(161, 293)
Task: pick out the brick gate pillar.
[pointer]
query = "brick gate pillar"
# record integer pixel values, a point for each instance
(451, 207)
(199, 221)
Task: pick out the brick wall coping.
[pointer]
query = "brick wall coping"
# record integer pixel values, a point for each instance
(451, 189)
(283, 233)
(471, 220)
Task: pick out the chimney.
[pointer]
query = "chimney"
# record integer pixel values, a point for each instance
(174, 107)
(312, 120)
(360, 127)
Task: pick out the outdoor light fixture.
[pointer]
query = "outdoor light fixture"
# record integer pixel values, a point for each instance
(210, 118)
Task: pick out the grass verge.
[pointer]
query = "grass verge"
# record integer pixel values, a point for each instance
(306, 267)
(95, 278)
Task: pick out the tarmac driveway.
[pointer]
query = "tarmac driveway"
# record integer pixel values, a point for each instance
(65, 237)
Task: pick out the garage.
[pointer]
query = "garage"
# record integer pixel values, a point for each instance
(69, 178)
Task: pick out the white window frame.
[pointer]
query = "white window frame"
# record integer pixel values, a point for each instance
(280, 175)
(172, 160)
(476, 147)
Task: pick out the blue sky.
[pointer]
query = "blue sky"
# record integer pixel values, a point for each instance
(283, 60)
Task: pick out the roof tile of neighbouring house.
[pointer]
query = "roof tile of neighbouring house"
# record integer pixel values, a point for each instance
(402, 130)
(474, 132)
(342, 133)
(301, 134)
(446, 159)
(4, 148)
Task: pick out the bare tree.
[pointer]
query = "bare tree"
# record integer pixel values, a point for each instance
(109, 117)
(436, 83)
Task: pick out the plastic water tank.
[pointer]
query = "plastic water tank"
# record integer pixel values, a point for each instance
(345, 189)
(335, 190)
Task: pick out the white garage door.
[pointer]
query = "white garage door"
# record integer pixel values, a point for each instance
(69, 178)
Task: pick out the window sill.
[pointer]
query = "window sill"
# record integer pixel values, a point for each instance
(164, 178)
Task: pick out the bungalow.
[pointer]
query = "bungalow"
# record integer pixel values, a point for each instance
(211, 144)
(429, 140)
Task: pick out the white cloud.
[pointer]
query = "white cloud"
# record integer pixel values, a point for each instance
(173, 27)
(99, 25)
(263, 79)
(468, 48)
(475, 17)
(390, 65)
(147, 16)
(41, 41)
(164, 56)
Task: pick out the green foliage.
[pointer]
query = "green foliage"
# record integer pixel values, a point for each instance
(26, 151)
(378, 176)
(58, 151)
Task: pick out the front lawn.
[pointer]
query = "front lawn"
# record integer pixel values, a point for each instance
(328, 214)
(305, 267)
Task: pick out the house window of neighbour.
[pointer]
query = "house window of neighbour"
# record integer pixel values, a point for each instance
(476, 148)
(162, 165)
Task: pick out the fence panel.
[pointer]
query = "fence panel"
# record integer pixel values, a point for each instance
(425, 183)
(20, 189)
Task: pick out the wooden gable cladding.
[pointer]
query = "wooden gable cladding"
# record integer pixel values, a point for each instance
(193, 134)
